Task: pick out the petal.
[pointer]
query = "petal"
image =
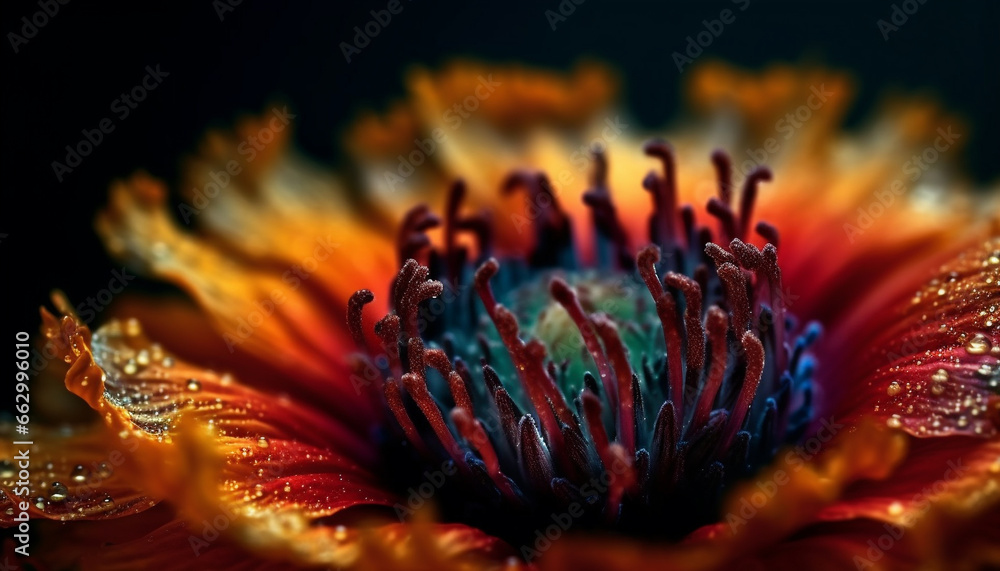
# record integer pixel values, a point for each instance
(215, 447)
(75, 474)
(930, 365)
(279, 291)
(760, 514)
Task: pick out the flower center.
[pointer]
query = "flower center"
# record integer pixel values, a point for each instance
(627, 396)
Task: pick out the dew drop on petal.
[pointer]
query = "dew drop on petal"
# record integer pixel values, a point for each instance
(262, 442)
(79, 474)
(193, 385)
(978, 345)
(894, 389)
(104, 470)
(895, 508)
(58, 492)
(894, 421)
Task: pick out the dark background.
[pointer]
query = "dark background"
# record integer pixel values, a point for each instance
(64, 79)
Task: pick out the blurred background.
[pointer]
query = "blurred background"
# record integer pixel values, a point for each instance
(227, 58)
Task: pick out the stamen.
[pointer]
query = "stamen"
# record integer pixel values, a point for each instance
(603, 213)
(718, 326)
(667, 312)
(768, 232)
(412, 238)
(394, 398)
(754, 352)
(734, 282)
(724, 170)
(355, 306)
(664, 192)
(707, 432)
(623, 375)
(566, 297)
(535, 462)
(726, 217)
(665, 431)
(749, 196)
(692, 324)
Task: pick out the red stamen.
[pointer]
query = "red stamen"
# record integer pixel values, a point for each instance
(623, 376)
(566, 297)
(749, 196)
(735, 284)
(717, 325)
(355, 305)
(692, 323)
(754, 352)
(394, 398)
(724, 171)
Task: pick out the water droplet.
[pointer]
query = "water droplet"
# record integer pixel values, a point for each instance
(894, 389)
(940, 376)
(895, 508)
(962, 422)
(9, 511)
(40, 503)
(193, 385)
(104, 470)
(894, 421)
(132, 327)
(6, 469)
(340, 533)
(130, 367)
(107, 502)
(979, 345)
(262, 442)
(168, 362)
(58, 492)
(79, 474)
(143, 357)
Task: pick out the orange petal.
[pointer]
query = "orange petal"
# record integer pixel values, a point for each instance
(283, 305)
(74, 474)
(215, 447)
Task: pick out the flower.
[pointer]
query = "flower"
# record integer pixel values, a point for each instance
(788, 376)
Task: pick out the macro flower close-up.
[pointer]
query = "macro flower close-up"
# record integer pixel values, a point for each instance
(539, 313)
